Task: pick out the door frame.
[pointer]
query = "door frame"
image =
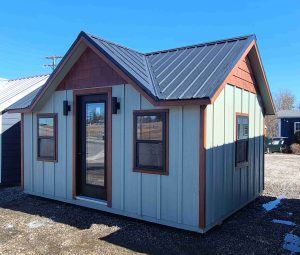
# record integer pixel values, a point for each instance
(92, 91)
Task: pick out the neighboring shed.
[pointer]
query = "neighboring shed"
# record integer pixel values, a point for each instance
(173, 137)
(10, 127)
(288, 124)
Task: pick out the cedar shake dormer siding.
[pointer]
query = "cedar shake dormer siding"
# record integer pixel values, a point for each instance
(90, 71)
(242, 76)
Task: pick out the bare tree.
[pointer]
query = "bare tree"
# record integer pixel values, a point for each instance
(284, 100)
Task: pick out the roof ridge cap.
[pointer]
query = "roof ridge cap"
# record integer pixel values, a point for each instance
(113, 43)
(28, 77)
(202, 44)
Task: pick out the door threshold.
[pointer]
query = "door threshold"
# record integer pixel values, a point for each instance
(91, 199)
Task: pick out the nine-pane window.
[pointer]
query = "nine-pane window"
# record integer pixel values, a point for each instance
(47, 133)
(150, 141)
(242, 139)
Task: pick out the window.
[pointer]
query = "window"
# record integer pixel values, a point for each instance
(242, 139)
(297, 127)
(47, 136)
(151, 141)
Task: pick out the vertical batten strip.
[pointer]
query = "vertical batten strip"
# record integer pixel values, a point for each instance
(54, 163)
(66, 147)
(224, 200)
(158, 197)
(254, 147)
(202, 168)
(122, 175)
(180, 165)
(233, 152)
(258, 148)
(32, 154)
(139, 186)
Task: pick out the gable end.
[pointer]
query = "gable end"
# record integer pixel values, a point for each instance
(88, 72)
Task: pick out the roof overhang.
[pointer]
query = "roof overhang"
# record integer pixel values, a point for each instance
(261, 80)
(258, 70)
(83, 41)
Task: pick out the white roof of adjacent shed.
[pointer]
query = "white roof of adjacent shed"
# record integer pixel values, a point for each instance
(288, 114)
(12, 91)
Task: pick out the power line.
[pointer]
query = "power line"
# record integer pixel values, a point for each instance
(54, 62)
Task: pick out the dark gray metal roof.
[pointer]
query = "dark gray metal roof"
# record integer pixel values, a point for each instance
(16, 90)
(289, 113)
(189, 72)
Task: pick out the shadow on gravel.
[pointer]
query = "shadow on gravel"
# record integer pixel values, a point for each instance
(249, 231)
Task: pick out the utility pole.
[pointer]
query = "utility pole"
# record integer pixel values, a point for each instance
(54, 64)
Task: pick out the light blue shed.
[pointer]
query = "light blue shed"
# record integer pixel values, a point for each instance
(173, 137)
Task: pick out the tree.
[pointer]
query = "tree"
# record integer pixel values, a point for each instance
(284, 100)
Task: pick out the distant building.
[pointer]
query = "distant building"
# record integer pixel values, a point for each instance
(288, 124)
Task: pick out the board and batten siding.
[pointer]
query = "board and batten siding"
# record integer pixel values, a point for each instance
(228, 188)
(171, 200)
(10, 148)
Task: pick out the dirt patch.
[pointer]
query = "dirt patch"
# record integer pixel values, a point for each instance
(32, 225)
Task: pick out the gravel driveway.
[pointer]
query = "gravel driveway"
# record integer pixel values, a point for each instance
(31, 225)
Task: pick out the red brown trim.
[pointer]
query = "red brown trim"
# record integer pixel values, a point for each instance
(202, 168)
(55, 129)
(166, 142)
(102, 90)
(22, 151)
(242, 114)
(228, 78)
(253, 46)
(264, 74)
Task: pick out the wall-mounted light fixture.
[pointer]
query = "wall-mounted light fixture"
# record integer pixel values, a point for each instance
(66, 107)
(115, 105)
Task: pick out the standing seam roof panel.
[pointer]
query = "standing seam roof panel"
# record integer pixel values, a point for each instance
(202, 78)
(192, 75)
(168, 87)
(223, 70)
(177, 64)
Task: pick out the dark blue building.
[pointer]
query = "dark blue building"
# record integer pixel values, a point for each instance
(288, 124)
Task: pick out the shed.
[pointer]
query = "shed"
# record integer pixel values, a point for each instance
(11, 91)
(173, 137)
(288, 124)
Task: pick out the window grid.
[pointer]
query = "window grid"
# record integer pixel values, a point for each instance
(153, 144)
(46, 136)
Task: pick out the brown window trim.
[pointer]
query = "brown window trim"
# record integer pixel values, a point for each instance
(165, 170)
(47, 115)
(240, 114)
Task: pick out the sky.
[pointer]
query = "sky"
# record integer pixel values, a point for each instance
(32, 30)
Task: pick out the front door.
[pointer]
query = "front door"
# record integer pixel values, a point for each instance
(91, 146)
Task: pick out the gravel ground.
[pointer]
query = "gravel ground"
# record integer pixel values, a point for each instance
(31, 225)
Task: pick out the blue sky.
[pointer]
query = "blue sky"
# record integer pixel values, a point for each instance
(31, 30)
